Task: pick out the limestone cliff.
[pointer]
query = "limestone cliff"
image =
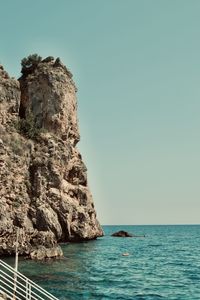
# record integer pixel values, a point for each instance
(43, 180)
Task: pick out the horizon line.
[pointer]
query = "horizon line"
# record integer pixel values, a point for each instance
(180, 224)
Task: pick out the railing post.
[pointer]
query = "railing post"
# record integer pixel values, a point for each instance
(16, 266)
(14, 285)
(29, 291)
(26, 288)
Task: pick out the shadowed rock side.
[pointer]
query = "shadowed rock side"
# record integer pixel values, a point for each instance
(43, 180)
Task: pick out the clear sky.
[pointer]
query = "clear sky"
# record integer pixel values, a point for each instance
(137, 67)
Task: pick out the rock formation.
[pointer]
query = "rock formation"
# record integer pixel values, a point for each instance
(44, 191)
(122, 233)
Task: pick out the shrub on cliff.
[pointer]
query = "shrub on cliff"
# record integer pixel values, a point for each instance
(28, 127)
(30, 63)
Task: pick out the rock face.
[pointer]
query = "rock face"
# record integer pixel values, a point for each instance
(44, 191)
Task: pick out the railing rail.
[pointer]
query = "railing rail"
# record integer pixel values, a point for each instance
(16, 286)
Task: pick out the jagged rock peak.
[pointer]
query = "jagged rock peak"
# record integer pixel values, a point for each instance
(30, 63)
(43, 180)
(48, 96)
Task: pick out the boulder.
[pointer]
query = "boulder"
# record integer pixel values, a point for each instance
(122, 233)
(42, 253)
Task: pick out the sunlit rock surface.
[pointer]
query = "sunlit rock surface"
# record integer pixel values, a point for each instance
(44, 191)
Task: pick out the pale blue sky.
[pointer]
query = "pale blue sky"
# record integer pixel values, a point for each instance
(137, 67)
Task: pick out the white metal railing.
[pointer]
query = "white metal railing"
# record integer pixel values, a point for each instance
(16, 286)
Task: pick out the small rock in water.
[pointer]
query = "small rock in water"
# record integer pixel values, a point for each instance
(122, 233)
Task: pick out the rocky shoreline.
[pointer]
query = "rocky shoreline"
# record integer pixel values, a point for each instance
(44, 191)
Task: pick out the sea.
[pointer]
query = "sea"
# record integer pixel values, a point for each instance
(164, 263)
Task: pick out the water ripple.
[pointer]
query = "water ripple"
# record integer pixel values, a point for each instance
(164, 265)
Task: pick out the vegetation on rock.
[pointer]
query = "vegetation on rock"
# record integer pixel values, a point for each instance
(28, 127)
(30, 63)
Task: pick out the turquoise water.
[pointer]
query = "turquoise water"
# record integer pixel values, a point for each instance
(165, 264)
